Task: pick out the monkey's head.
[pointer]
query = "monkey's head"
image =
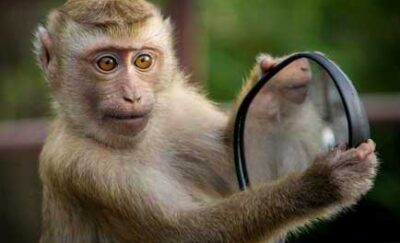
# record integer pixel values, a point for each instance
(285, 93)
(105, 62)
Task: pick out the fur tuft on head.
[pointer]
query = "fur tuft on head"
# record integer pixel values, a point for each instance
(108, 12)
(72, 24)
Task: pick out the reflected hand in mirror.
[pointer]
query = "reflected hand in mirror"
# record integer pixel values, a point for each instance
(295, 116)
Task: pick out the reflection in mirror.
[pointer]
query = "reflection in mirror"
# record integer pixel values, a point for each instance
(297, 115)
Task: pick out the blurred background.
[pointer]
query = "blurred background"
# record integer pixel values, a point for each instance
(217, 43)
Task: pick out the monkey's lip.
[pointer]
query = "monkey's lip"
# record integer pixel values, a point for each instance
(296, 93)
(124, 117)
(297, 86)
(126, 124)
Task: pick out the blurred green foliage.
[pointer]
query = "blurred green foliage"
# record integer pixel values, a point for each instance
(361, 36)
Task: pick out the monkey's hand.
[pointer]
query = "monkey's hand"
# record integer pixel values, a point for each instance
(350, 172)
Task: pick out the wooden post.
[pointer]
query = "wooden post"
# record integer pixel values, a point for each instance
(183, 17)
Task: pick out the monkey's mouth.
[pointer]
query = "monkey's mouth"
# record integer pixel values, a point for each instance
(126, 117)
(297, 86)
(296, 93)
(127, 124)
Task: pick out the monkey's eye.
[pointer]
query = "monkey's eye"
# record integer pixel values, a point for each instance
(144, 61)
(107, 63)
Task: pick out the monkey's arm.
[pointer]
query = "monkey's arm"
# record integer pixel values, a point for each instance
(261, 214)
(337, 179)
(244, 217)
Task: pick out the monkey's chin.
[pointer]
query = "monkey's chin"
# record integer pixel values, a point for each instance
(129, 127)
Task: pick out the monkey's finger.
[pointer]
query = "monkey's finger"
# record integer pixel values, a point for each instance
(368, 147)
(364, 147)
(266, 62)
(357, 154)
(372, 143)
(364, 150)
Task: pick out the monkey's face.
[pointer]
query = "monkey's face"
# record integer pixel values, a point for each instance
(285, 92)
(107, 81)
(293, 81)
(123, 81)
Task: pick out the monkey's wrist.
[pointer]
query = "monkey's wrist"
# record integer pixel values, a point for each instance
(320, 188)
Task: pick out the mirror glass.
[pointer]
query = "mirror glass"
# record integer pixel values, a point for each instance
(297, 115)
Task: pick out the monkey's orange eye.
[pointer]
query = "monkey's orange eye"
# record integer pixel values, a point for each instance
(107, 63)
(144, 61)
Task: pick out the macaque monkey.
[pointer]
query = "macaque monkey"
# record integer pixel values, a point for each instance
(283, 127)
(136, 154)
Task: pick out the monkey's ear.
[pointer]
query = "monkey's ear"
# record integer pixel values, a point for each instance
(43, 47)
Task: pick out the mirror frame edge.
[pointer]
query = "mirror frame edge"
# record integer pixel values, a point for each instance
(358, 125)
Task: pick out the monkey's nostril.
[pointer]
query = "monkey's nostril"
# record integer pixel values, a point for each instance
(132, 99)
(128, 99)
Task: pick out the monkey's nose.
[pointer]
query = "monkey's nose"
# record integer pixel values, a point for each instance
(132, 99)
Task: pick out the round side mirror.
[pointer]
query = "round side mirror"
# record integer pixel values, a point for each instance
(299, 109)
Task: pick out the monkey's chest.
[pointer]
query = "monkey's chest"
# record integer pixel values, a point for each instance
(164, 187)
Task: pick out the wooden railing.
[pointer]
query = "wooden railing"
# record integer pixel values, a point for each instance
(382, 108)
(27, 136)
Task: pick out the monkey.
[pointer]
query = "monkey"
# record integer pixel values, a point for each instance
(278, 136)
(137, 154)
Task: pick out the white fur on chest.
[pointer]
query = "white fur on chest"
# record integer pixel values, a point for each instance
(164, 187)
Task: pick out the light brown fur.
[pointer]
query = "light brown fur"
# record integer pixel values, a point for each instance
(172, 180)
